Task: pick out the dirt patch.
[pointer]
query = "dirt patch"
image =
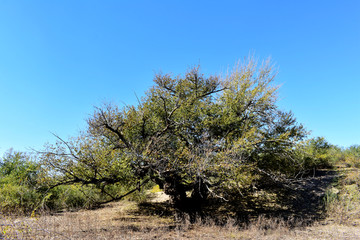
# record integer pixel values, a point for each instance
(159, 197)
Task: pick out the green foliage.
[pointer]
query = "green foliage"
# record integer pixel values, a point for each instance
(189, 133)
(24, 188)
(70, 197)
(92, 162)
(18, 183)
(352, 156)
(318, 154)
(20, 168)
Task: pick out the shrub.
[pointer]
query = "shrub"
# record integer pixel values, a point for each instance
(343, 202)
(18, 184)
(352, 156)
(70, 197)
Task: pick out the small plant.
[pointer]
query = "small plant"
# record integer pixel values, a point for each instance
(155, 189)
(331, 197)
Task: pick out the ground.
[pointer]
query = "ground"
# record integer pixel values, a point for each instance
(302, 217)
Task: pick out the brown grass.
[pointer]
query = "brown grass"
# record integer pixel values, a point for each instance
(120, 221)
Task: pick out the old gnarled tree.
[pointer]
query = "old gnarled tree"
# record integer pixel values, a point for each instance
(195, 136)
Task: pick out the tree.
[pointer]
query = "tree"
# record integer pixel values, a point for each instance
(193, 134)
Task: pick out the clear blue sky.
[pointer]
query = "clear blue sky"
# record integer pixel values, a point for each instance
(59, 59)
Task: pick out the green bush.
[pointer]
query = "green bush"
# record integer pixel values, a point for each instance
(314, 154)
(77, 196)
(23, 190)
(71, 197)
(18, 183)
(352, 156)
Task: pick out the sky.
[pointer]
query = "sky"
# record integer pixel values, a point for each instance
(60, 59)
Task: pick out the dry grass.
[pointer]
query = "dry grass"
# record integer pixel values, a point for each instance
(119, 221)
(114, 221)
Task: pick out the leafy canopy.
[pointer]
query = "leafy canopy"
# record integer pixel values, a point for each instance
(197, 133)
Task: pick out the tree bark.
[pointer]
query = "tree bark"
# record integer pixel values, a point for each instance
(184, 205)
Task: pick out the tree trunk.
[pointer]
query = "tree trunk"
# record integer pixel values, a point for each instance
(177, 192)
(184, 205)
